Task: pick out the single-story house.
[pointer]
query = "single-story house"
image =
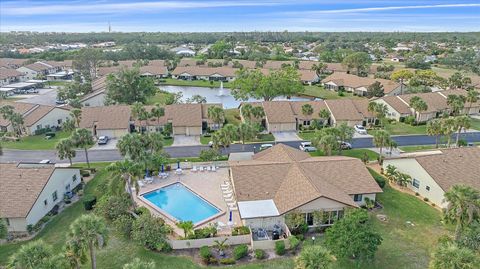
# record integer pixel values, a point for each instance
(42, 69)
(29, 191)
(36, 117)
(282, 179)
(399, 106)
(349, 111)
(112, 121)
(8, 76)
(153, 68)
(436, 173)
(223, 73)
(12, 63)
(98, 94)
(359, 85)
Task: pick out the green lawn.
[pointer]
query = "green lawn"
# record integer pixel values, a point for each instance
(416, 148)
(160, 97)
(232, 116)
(36, 142)
(400, 128)
(475, 124)
(167, 142)
(355, 153)
(195, 83)
(262, 138)
(58, 83)
(205, 139)
(306, 136)
(320, 92)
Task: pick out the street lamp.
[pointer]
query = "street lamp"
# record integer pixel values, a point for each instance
(313, 239)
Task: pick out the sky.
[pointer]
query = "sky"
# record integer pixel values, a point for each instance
(240, 15)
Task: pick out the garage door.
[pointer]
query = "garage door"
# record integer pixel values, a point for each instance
(193, 131)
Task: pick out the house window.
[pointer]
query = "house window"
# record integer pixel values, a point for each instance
(306, 122)
(74, 178)
(427, 188)
(8, 221)
(45, 202)
(59, 121)
(54, 196)
(416, 183)
(67, 188)
(309, 218)
(357, 197)
(39, 127)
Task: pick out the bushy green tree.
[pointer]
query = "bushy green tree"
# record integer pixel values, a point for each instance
(314, 257)
(128, 87)
(151, 232)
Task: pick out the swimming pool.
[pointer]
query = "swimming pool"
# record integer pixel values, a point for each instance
(181, 203)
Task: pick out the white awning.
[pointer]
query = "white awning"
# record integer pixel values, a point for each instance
(240, 156)
(257, 209)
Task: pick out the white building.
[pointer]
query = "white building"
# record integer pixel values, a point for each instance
(30, 191)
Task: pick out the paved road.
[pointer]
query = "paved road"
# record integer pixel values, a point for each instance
(193, 151)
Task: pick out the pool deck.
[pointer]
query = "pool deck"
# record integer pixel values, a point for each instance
(205, 184)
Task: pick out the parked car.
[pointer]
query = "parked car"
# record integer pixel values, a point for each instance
(60, 102)
(32, 90)
(46, 161)
(307, 147)
(265, 146)
(360, 129)
(345, 145)
(49, 135)
(103, 140)
(210, 144)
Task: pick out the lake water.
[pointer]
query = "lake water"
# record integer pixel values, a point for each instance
(217, 95)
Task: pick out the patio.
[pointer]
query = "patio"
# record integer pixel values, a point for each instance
(206, 184)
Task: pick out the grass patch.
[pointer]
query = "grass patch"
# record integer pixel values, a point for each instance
(167, 141)
(205, 139)
(160, 97)
(355, 153)
(306, 135)
(232, 116)
(416, 148)
(319, 92)
(400, 128)
(194, 83)
(475, 123)
(58, 83)
(36, 142)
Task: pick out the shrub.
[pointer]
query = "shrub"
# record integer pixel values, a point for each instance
(89, 201)
(206, 232)
(209, 155)
(111, 207)
(380, 180)
(433, 204)
(425, 199)
(240, 230)
(151, 232)
(84, 173)
(300, 237)
(409, 120)
(124, 225)
(206, 255)
(280, 248)
(260, 254)
(294, 242)
(240, 251)
(142, 210)
(417, 194)
(314, 257)
(227, 261)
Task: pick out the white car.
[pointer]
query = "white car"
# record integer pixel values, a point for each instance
(307, 147)
(265, 146)
(360, 129)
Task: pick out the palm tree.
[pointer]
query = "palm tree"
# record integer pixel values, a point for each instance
(325, 141)
(127, 171)
(307, 110)
(82, 138)
(472, 97)
(217, 115)
(76, 115)
(324, 114)
(91, 232)
(157, 112)
(450, 255)
(139, 113)
(463, 206)
(448, 128)
(434, 128)
(418, 106)
(380, 111)
(258, 113)
(456, 103)
(319, 68)
(68, 125)
(33, 255)
(381, 139)
(139, 264)
(186, 226)
(461, 123)
(75, 254)
(65, 149)
(225, 136)
(246, 111)
(402, 179)
(246, 131)
(154, 142)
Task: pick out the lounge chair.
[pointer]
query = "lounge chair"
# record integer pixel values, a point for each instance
(225, 187)
(232, 204)
(141, 184)
(209, 168)
(220, 225)
(201, 168)
(226, 196)
(225, 184)
(229, 191)
(233, 208)
(214, 169)
(194, 168)
(229, 199)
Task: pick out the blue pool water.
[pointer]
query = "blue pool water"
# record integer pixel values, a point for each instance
(181, 203)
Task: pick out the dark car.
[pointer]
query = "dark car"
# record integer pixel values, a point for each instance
(103, 140)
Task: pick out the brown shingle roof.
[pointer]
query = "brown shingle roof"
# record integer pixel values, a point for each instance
(348, 80)
(278, 112)
(106, 117)
(435, 101)
(225, 71)
(346, 109)
(291, 178)
(20, 188)
(9, 73)
(38, 67)
(397, 104)
(154, 70)
(31, 112)
(453, 166)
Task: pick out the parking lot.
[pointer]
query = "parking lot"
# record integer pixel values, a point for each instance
(46, 96)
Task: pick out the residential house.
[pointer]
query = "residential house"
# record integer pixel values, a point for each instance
(8, 76)
(112, 121)
(38, 69)
(35, 117)
(98, 94)
(282, 179)
(359, 85)
(30, 191)
(287, 116)
(397, 108)
(436, 173)
(223, 73)
(12, 63)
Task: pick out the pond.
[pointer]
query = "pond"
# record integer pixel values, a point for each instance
(217, 95)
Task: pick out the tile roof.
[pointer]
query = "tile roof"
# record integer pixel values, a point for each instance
(38, 66)
(154, 70)
(106, 117)
(278, 112)
(352, 81)
(11, 62)
(396, 103)
(434, 100)
(20, 187)
(453, 166)
(291, 178)
(225, 71)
